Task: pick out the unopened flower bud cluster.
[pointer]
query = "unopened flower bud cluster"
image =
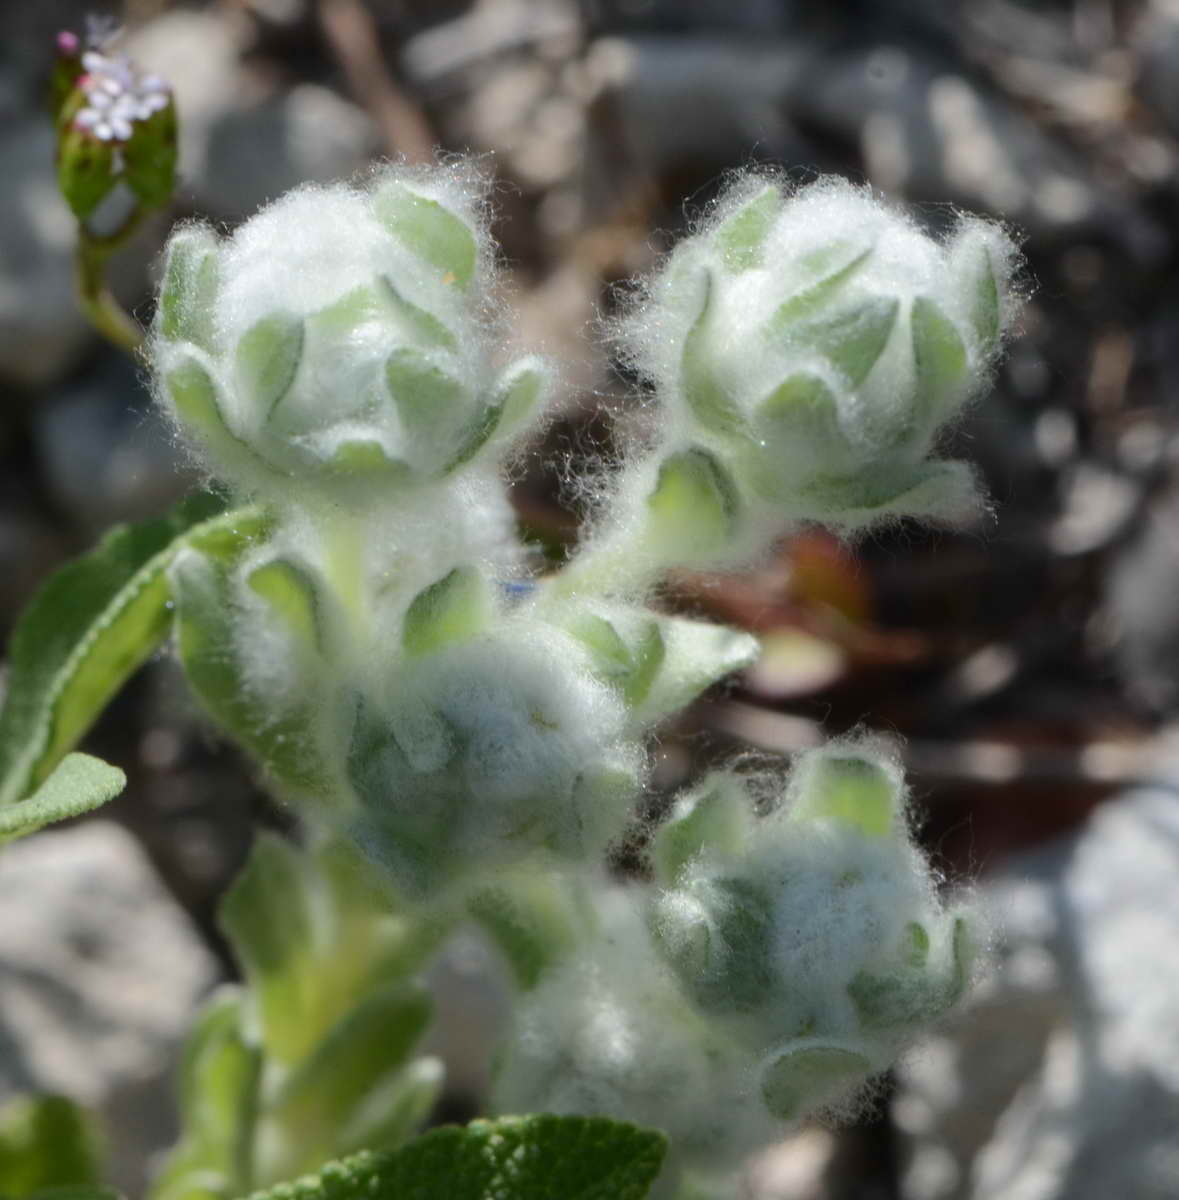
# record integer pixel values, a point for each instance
(374, 631)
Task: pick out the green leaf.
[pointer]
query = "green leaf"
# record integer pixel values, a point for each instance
(514, 1158)
(282, 735)
(693, 504)
(368, 1047)
(47, 1142)
(198, 402)
(450, 610)
(189, 289)
(714, 820)
(78, 784)
(830, 268)
(850, 791)
(431, 402)
(707, 397)
(939, 354)
(267, 917)
(267, 359)
(430, 230)
(806, 1076)
(94, 622)
(854, 339)
(219, 1077)
(741, 237)
(695, 655)
(291, 593)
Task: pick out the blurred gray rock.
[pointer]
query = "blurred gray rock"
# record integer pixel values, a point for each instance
(1157, 45)
(1063, 1080)
(42, 331)
(106, 452)
(100, 975)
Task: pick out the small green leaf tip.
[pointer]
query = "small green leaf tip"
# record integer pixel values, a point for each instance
(453, 609)
(78, 784)
(430, 229)
(815, 341)
(850, 790)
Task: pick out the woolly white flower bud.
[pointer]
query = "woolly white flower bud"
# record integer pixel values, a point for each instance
(337, 337)
(808, 348)
(813, 934)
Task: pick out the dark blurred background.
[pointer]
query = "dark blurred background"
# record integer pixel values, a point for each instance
(1031, 663)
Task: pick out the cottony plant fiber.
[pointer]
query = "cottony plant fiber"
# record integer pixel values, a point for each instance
(373, 629)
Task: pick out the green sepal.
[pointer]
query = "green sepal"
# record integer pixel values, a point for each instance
(267, 359)
(430, 230)
(741, 236)
(852, 791)
(807, 1075)
(693, 505)
(290, 591)
(284, 738)
(366, 461)
(514, 1158)
(149, 157)
(940, 357)
(78, 784)
(706, 396)
(47, 1143)
(715, 821)
(188, 294)
(86, 166)
(197, 399)
(89, 628)
(423, 326)
(970, 260)
(452, 609)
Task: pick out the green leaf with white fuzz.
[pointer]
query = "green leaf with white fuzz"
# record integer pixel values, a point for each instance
(290, 591)
(197, 399)
(267, 360)
(695, 655)
(707, 397)
(82, 636)
(189, 290)
(219, 1101)
(284, 736)
(849, 790)
(715, 822)
(693, 506)
(367, 461)
(970, 260)
(717, 933)
(741, 236)
(854, 339)
(48, 1145)
(519, 393)
(450, 610)
(420, 324)
(268, 918)
(808, 1075)
(367, 1048)
(430, 230)
(829, 270)
(78, 784)
(430, 400)
(514, 1158)
(940, 357)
